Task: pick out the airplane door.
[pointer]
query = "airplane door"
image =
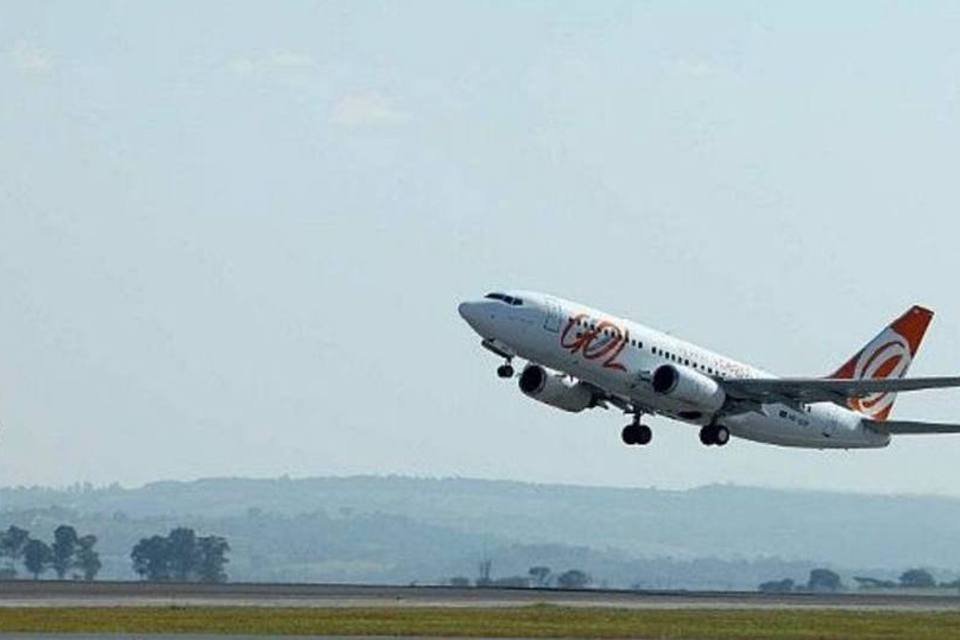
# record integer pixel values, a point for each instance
(554, 317)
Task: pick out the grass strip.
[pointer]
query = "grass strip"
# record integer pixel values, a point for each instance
(538, 621)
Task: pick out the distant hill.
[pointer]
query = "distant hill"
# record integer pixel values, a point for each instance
(400, 529)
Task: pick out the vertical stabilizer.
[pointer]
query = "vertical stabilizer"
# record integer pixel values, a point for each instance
(887, 356)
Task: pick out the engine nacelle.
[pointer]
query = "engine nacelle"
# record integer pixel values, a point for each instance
(686, 385)
(555, 389)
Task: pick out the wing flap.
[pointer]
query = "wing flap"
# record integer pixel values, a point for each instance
(827, 389)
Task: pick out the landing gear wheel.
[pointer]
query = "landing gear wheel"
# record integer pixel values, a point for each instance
(636, 434)
(644, 434)
(706, 436)
(505, 371)
(714, 435)
(721, 436)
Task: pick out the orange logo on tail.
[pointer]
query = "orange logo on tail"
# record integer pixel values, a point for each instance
(889, 355)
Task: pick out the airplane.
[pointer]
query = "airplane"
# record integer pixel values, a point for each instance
(580, 358)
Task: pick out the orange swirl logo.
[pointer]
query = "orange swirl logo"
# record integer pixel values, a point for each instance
(604, 341)
(889, 358)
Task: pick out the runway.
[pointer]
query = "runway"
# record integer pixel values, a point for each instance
(200, 636)
(138, 594)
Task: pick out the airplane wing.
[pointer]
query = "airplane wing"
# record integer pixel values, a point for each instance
(899, 427)
(809, 390)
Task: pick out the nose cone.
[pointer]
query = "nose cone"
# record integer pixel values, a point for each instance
(471, 312)
(468, 311)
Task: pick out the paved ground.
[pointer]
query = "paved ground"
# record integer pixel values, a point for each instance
(188, 636)
(79, 594)
(199, 636)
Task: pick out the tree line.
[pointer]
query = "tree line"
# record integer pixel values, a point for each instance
(181, 556)
(825, 580)
(68, 554)
(538, 577)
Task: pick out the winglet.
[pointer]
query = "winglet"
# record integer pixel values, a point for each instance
(889, 355)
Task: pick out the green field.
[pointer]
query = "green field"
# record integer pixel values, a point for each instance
(538, 621)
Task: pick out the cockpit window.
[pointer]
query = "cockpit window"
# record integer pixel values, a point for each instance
(502, 297)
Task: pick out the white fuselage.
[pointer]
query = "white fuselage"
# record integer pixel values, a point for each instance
(545, 330)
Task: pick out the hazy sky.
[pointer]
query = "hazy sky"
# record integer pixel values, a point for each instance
(233, 236)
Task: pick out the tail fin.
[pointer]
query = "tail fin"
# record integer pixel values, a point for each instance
(887, 356)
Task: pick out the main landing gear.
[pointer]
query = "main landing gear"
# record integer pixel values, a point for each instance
(636, 433)
(505, 370)
(714, 434)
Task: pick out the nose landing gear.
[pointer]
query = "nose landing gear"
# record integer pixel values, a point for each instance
(714, 434)
(506, 369)
(635, 433)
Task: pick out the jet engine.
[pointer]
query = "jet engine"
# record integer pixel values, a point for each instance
(555, 389)
(686, 385)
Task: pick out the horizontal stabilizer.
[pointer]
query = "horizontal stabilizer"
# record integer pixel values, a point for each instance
(905, 427)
